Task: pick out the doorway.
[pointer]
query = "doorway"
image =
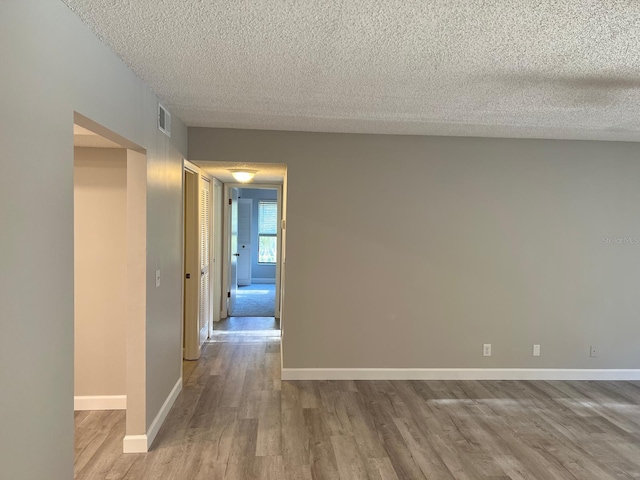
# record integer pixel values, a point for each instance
(109, 278)
(201, 303)
(253, 241)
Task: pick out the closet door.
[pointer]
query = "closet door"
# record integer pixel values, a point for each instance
(204, 316)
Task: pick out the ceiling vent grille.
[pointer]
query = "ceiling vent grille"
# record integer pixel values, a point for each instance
(164, 120)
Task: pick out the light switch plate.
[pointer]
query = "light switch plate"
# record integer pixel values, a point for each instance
(157, 278)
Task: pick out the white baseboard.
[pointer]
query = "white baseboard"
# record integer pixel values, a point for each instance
(458, 374)
(135, 444)
(164, 411)
(142, 443)
(263, 280)
(100, 402)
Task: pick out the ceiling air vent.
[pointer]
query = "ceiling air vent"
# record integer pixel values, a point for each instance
(164, 120)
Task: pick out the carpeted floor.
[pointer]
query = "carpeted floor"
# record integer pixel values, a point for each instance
(256, 300)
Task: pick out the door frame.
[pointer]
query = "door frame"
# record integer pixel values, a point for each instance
(204, 332)
(190, 338)
(226, 254)
(216, 250)
(190, 331)
(137, 263)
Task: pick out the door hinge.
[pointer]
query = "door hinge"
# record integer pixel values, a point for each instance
(228, 294)
(230, 201)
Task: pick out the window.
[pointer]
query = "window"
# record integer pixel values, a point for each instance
(267, 231)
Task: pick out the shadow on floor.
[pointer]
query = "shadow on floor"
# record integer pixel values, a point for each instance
(247, 323)
(245, 329)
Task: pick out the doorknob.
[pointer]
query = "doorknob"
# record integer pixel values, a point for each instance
(236, 254)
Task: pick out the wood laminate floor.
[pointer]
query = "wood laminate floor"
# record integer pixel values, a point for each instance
(235, 419)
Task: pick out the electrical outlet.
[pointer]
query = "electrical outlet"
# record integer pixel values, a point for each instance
(486, 350)
(536, 350)
(593, 353)
(157, 278)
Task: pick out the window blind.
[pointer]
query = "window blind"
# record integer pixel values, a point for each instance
(267, 218)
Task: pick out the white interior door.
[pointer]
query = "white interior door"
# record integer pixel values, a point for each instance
(245, 207)
(205, 260)
(233, 244)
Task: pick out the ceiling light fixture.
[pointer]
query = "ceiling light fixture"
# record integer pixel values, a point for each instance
(243, 175)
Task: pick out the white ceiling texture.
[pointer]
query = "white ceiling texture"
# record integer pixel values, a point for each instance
(507, 68)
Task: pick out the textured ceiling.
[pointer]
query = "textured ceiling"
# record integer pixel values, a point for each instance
(514, 68)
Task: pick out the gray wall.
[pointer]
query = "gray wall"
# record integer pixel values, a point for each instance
(414, 251)
(52, 65)
(258, 270)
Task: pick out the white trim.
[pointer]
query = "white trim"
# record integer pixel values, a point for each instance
(458, 374)
(164, 411)
(192, 167)
(270, 281)
(100, 402)
(216, 237)
(135, 444)
(142, 443)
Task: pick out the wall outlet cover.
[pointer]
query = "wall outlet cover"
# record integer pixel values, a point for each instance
(536, 350)
(486, 350)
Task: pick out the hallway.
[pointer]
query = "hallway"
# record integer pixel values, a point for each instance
(224, 424)
(236, 420)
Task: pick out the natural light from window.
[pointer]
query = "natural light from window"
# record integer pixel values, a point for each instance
(267, 231)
